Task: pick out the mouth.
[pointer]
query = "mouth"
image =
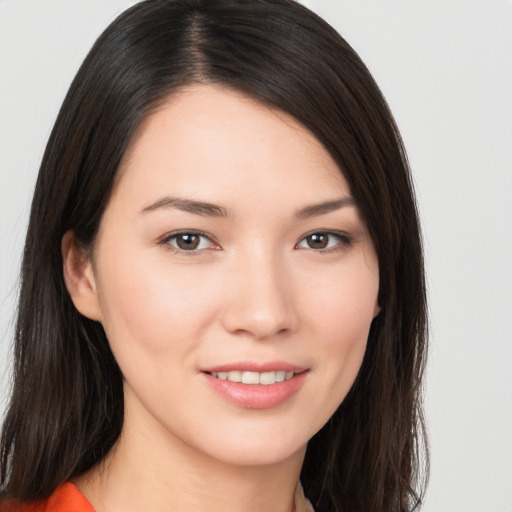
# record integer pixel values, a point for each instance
(255, 378)
(256, 385)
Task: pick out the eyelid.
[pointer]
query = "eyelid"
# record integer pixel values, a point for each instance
(344, 240)
(165, 241)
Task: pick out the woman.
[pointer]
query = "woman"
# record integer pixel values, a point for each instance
(222, 287)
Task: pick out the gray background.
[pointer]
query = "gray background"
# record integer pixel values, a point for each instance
(446, 69)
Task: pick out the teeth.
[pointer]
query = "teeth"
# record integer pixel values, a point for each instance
(250, 378)
(268, 378)
(235, 376)
(264, 378)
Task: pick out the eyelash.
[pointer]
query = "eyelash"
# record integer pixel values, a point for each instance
(166, 242)
(344, 240)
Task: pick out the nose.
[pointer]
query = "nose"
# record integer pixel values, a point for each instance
(261, 298)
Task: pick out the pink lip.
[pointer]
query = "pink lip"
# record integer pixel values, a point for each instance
(253, 366)
(256, 396)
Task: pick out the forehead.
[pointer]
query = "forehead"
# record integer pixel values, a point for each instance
(211, 139)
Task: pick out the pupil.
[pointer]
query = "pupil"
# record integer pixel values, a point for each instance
(318, 241)
(188, 242)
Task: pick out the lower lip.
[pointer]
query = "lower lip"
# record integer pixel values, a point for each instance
(257, 396)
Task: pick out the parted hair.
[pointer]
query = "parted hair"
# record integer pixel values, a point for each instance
(66, 405)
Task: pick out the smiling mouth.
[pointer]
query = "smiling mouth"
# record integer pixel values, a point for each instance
(255, 378)
(245, 387)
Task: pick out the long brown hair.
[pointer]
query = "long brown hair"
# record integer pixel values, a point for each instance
(66, 408)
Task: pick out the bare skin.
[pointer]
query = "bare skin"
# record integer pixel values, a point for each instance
(231, 242)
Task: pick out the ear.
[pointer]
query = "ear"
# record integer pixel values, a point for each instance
(79, 277)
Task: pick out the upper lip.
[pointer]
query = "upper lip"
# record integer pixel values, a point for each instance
(255, 366)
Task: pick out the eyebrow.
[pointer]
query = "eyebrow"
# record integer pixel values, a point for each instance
(206, 209)
(187, 205)
(322, 208)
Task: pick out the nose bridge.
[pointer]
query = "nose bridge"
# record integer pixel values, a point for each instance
(261, 299)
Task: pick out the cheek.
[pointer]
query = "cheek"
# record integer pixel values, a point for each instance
(150, 308)
(342, 317)
(345, 305)
(345, 335)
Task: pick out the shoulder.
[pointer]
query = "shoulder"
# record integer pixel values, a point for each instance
(67, 498)
(302, 504)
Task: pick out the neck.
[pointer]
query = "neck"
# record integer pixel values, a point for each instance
(140, 474)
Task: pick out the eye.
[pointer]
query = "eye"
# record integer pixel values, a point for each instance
(188, 241)
(324, 241)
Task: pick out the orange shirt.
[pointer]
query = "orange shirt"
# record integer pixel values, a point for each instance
(67, 498)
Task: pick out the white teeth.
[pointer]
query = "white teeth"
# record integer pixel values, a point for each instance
(250, 378)
(235, 376)
(264, 378)
(268, 378)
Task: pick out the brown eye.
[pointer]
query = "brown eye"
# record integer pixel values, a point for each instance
(190, 242)
(187, 242)
(317, 240)
(325, 241)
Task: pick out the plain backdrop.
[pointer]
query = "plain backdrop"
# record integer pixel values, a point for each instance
(445, 68)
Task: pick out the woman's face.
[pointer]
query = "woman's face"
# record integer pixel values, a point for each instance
(232, 250)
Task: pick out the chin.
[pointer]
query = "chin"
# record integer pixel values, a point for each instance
(258, 447)
(267, 456)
